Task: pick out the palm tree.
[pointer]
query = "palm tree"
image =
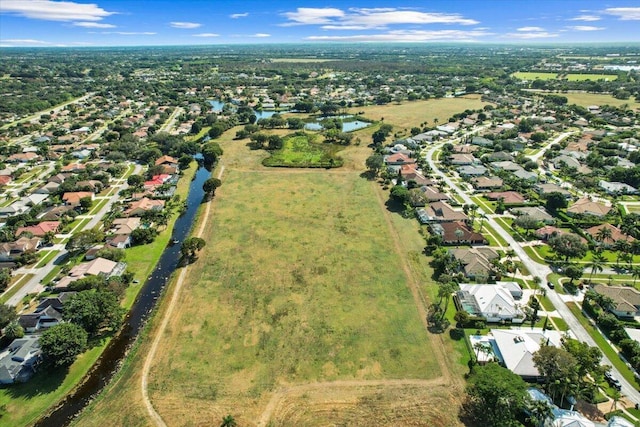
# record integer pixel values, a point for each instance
(444, 292)
(596, 264)
(228, 421)
(616, 396)
(603, 234)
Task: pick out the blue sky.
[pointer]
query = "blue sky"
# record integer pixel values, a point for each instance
(186, 22)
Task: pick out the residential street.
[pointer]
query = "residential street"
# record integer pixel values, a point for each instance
(536, 269)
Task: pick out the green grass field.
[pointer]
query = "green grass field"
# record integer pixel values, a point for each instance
(525, 75)
(304, 151)
(592, 77)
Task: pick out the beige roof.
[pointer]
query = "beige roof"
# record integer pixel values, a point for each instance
(93, 268)
(626, 298)
(586, 206)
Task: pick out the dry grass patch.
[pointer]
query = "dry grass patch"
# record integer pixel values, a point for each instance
(409, 114)
(297, 284)
(587, 99)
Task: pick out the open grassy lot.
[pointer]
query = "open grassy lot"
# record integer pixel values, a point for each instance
(526, 75)
(592, 77)
(410, 114)
(587, 99)
(297, 288)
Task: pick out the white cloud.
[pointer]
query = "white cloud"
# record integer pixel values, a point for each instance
(239, 15)
(25, 41)
(585, 28)
(54, 10)
(130, 33)
(92, 25)
(529, 29)
(624, 13)
(312, 16)
(531, 35)
(261, 35)
(185, 25)
(588, 18)
(375, 18)
(206, 35)
(408, 36)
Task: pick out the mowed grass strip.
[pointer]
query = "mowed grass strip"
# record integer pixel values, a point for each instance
(298, 283)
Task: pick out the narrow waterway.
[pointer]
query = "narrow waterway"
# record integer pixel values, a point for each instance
(109, 362)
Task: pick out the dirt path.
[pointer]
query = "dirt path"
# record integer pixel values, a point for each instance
(144, 381)
(281, 394)
(445, 378)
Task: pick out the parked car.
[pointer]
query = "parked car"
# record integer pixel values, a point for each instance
(550, 285)
(613, 381)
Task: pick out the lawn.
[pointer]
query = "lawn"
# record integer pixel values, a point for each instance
(526, 75)
(303, 150)
(412, 113)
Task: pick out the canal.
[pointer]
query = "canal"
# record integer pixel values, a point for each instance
(115, 352)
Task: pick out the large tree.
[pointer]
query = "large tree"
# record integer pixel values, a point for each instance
(61, 343)
(559, 368)
(190, 247)
(568, 246)
(83, 240)
(374, 163)
(555, 201)
(495, 396)
(210, 186)
(94, 310)
(7, 315)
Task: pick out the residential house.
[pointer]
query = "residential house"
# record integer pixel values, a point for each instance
(585, 206)
(41, 229)
(58, 178)
(524, 175)
(125, 225)
(73, 198)
(494, 302)
(4, 180)
(534, 212)
(398, 159)
(498, 156)
(616, 234)
(11, 251)
(617, 188)
(481, 141)
(56, 212)
(432, 194)
(565, 160)
(119, 241)
(40, 319)
(506, 166)
(442, 212)
(139, 207)
(514, 348)
(48, 188)
(475, 262)
(474, 170)
(22, 157)
(74, 167)
(508, 197)
(487, 183)
(544, 189)
(463, 159)
(457, 233)
(626, 300)
(18, 364)
(96, 267)
(92, 185)
(548, 231)
(167, 160)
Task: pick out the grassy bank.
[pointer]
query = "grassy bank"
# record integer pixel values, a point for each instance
(24, 403)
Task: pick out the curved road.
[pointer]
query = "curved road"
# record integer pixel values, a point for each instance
(536, 269)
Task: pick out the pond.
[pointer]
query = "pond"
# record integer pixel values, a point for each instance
(348, 126)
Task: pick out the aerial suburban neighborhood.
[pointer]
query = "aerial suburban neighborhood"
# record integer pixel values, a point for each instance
(319, 234)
